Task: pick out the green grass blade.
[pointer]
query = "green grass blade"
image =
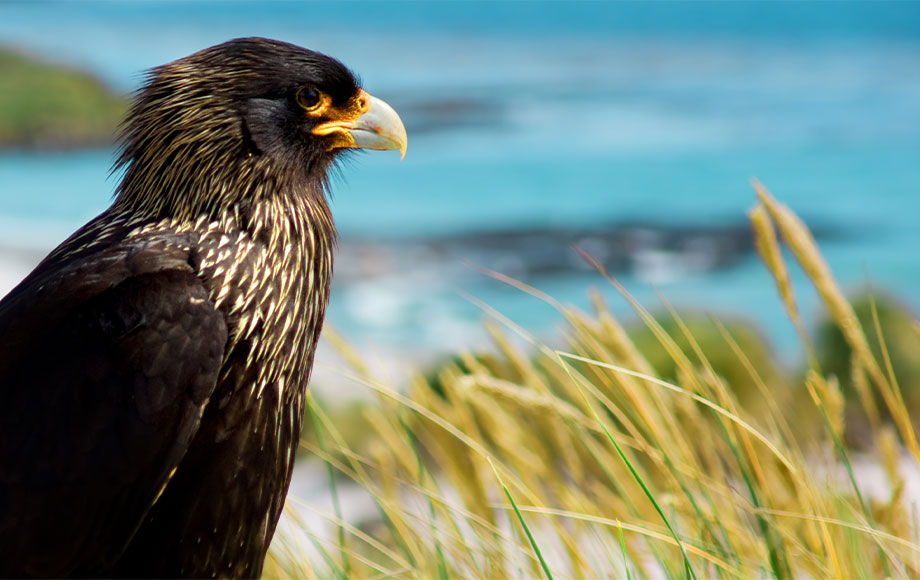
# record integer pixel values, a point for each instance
(623, 550)
(423, 474)
(844, 456)
(688, 568)
(334, 568)
(333, 489)
(517, 512)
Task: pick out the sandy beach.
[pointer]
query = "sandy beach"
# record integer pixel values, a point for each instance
(16, 263)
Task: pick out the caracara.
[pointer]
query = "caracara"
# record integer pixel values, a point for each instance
(153, 367)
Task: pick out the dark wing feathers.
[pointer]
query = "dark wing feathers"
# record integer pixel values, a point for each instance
(105, 369)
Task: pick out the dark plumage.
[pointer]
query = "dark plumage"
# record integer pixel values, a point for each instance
(153, 367)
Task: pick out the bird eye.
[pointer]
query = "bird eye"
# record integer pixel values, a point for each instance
(309, 97)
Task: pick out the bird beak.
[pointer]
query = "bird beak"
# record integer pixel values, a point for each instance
(377, 127)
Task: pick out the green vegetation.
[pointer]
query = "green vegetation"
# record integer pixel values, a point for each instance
(893, 336)
(676, 449)
(43, 106)
(714, 337)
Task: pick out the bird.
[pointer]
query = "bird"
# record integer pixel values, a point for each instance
(154, 366)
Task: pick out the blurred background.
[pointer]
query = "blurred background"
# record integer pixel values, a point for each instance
(629, 129)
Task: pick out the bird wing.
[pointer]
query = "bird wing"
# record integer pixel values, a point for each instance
(106, 365)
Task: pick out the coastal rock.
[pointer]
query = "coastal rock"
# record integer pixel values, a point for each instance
(653, 252)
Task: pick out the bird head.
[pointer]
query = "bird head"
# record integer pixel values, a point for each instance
(247, 118)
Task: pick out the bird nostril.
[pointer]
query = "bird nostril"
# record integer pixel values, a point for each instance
(362, 103)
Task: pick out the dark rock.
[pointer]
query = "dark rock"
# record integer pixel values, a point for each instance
(655, 252)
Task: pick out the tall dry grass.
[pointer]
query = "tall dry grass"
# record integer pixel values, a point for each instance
(580, 462)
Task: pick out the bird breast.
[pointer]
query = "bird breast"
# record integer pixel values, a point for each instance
(269, 275)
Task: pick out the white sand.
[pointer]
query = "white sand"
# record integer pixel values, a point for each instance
(15, 264)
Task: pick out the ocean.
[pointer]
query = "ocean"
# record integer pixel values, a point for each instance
(630, 129)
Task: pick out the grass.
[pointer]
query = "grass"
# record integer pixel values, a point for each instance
(590, 461)
(44, 106)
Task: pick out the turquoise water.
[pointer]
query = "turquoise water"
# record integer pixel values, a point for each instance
(554, 116)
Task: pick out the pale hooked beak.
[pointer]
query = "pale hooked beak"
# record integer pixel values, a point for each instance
(377, 127)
